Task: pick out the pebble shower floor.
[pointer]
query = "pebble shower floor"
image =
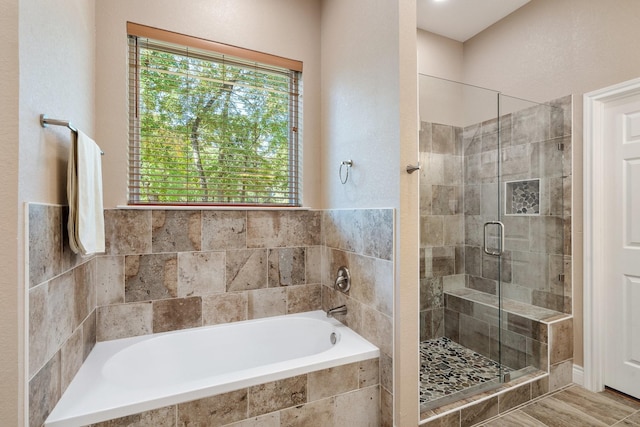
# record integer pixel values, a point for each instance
(447, 368)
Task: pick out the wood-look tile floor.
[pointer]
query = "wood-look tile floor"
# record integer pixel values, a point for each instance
(574, 406)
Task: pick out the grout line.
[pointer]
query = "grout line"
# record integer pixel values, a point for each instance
(510, 411)
(627, 417)
(530, 402)
(535, 419)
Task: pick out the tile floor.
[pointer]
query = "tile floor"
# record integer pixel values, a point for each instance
(573, 406)
(447, 368)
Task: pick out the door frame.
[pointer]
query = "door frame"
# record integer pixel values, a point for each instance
(594, 267)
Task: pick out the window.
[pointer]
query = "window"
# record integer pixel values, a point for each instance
(211, 124)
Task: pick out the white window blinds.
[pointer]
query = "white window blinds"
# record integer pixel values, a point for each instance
(210, 128)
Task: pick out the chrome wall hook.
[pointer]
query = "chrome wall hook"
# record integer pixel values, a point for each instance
(348, 164)
(413, 168)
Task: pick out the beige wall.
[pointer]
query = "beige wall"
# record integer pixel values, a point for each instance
(441, 98)
(439, 56)
(407, 269)
(279, 27)
(360, 103)
(552, 48)
(11, 301)
(440, 101)
(57, 60)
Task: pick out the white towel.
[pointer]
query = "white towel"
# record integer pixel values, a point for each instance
(84, 191)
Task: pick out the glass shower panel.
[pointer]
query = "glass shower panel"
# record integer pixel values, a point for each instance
(460, 313)
(492, 225)
(532, 186)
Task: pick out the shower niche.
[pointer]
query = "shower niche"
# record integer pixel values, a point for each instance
(522, 197)
(489, 295)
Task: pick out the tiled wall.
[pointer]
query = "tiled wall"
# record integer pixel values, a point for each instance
(441, 221)
(459, 193)
(62, 295)
(537, 247)
(526, 336)
(173, 269)
(341, 396)
(363, 241)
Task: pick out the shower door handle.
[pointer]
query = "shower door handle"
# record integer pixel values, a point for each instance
(500, 250)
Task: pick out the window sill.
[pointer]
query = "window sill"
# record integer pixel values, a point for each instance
(210, 208)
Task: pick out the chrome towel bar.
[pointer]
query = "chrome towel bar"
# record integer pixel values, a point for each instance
(45, 121)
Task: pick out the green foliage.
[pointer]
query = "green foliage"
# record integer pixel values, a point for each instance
(212, 132)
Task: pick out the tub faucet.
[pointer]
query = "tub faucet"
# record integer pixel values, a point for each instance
(341, 309)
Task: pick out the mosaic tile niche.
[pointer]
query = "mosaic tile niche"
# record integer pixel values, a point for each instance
(522, 197)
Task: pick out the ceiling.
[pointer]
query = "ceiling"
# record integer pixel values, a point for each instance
(462, 19)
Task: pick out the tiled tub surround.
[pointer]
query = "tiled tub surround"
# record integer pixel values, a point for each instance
(62, 294)
(118, 378)
(225, 266)
(174, 269)
(363, 240)
(341, 396)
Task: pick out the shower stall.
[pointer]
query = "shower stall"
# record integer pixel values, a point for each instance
(494, 246)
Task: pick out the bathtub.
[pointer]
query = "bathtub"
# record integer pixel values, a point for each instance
(126, 376)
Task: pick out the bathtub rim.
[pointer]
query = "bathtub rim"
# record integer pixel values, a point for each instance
(65, 413)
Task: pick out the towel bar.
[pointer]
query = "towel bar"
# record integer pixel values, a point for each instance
(44, 121)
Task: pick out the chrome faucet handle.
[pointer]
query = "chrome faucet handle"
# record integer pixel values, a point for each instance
(343, 281)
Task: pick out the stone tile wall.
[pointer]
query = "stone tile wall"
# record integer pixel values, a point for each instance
(473, 322)
(363, 240)
(62, 302)
(441, 222)
(538, 247)
(459, 192)
(340, 396)
(481, 407)
(531, 336)
(174, 269)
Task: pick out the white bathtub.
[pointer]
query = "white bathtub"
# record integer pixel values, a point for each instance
(131, 375)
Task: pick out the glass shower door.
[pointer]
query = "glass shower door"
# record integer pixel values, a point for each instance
(460, 313)
(492, 249)
(532, 184)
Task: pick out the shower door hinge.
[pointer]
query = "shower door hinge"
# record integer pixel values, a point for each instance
(560, 277)
(561, 146)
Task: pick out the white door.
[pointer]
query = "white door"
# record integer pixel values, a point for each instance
(621, 161)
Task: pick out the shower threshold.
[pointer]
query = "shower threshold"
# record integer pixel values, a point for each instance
(450, 372)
